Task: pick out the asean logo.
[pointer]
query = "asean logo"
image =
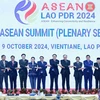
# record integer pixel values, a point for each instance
(25, 12)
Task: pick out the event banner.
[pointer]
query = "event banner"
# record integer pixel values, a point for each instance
(45, 27)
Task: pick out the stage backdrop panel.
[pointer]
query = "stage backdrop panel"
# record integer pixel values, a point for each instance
(44, 27)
